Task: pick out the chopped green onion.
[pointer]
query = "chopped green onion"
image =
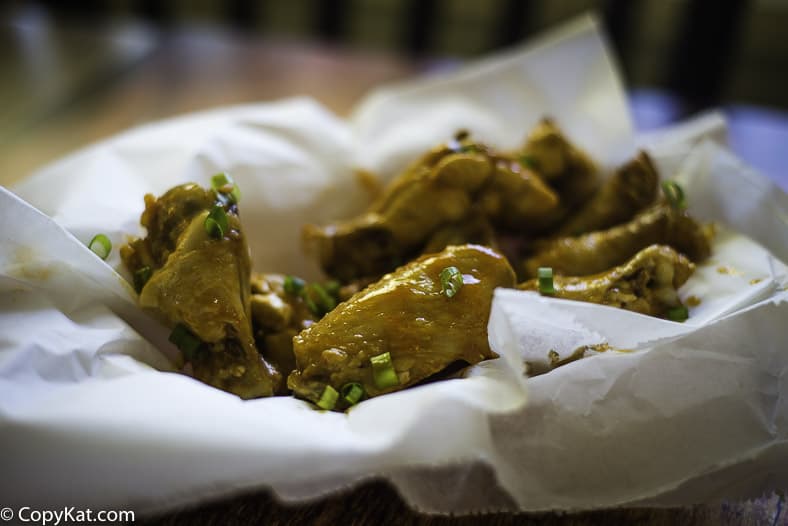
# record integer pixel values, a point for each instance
(332, 287)
(328, 400)
(451, 281)
(545, 275)
(185, 340)
(141, 277)
(294, 285)
(220, 180)
(216, 224)
(100, 245)
(352, 393)
(327, 301)
(312, 306)
(678, 313)
(383, 371)
(674, 194)
(318, 300)
(224, 184)
(528, 161)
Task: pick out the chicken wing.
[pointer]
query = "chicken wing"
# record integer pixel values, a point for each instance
(436, 190)
(568, 170)
(515, 197)
(598, 251)
(630, 189)
(408, 315)
(199, 283)
(448, 186)
(647, 283)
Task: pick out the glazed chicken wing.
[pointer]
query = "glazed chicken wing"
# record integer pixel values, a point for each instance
(568, 170)
(515, 197)
(436, 190)
(407, 315)
(199, 283)
(630, 189)
(446, 187)
(647, 283)
(598, 251)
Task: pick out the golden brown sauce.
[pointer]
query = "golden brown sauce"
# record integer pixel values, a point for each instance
(28, 268)
(728, 270)
(693, 301)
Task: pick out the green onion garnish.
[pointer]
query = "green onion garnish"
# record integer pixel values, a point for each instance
(318, 300)
(352, 393)
(451, 281)
(224, 184)
(327, 300)
(674, 194)
(383, 371)
(100, 245)
(332, 287)
(216, 224)
(185, 340)
(328, 399)
(545, 275)
(141, 277)
(312, 306)
(528, 161)
(678, 313)
(294, 285)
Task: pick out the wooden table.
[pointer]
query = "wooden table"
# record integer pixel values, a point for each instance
(67, 87)
(102, 82)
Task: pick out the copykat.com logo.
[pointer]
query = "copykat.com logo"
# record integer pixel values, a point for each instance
(64, 515)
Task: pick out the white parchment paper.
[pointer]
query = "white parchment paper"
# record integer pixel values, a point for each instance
(92, 413)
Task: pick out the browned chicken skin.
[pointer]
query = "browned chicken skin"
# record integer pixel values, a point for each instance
(630, 189)
(446, 187)
(558, 161)
(202, 283)
(407, 315)
(598, 251)
(647, 283)
(568, 170)
(473, 229)
(252, 331)
(277, 316)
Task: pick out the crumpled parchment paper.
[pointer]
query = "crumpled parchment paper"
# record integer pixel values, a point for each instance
(93, 414)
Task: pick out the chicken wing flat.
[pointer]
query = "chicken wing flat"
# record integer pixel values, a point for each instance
(408, 315)
(598, 251)
(199, 284)
(629, 190)
(647, 283)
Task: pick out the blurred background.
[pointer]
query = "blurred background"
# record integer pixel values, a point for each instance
(75, 72)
